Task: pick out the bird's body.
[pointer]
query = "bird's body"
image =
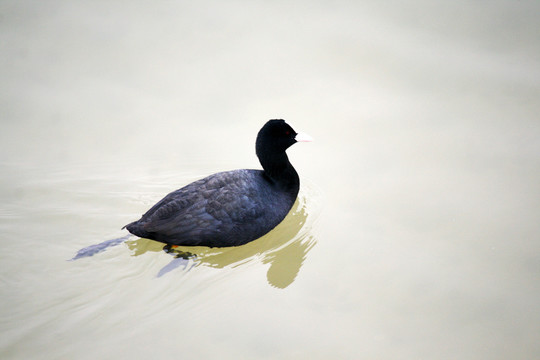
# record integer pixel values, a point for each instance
(229, 208)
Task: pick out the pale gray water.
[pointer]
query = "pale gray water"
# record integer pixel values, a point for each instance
(418, 230)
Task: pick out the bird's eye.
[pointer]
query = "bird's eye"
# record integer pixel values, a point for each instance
(287, 132)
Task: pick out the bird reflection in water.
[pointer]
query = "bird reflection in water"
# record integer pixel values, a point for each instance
(285, 248)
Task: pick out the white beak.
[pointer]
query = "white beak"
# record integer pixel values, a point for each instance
(303, 137)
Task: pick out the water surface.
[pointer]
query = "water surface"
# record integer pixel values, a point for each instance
(416, 232)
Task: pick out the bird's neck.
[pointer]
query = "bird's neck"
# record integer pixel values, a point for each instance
(280, 171)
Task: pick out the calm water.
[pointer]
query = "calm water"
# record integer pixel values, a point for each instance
(417, 230)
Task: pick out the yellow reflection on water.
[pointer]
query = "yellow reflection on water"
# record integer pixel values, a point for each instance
(285, 248)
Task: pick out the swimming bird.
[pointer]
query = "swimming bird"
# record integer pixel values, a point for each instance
(230, 208)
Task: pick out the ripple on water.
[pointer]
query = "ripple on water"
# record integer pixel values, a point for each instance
(284, 249)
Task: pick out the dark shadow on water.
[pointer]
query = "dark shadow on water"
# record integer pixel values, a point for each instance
(97, 248)
(285, 249)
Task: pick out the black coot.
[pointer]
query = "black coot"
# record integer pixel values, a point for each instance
(233, 207)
